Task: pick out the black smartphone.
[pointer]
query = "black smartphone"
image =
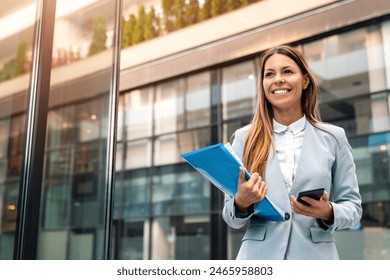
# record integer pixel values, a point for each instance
(315, 194)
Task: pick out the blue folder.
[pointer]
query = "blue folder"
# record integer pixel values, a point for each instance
(217, 164)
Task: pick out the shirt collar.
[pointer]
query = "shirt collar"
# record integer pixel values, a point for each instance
(295, 127)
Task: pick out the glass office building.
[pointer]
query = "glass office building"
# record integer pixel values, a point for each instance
(187, 89)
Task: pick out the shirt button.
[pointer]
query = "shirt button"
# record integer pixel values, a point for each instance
(286, 216)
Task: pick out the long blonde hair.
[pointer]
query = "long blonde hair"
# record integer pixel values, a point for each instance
(260, 135)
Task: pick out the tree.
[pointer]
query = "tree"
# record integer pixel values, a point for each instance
(152, 25)
(192, 12)
(205, 12)
(168, 14)
(99, 36)
(128, 31)
(131, 28)
(20, 61)
(140, 26)
(8, 71)
(125, 31)
(218, 7)
(180, 21)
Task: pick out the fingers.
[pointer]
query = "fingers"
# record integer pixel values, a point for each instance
(262, 190)
(320, 209)
(250, 191)
(325, 196)
(241, 176)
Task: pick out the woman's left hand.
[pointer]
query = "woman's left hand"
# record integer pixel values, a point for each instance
(320, 209)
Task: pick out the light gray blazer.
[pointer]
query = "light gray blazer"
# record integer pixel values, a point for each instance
(324, 162)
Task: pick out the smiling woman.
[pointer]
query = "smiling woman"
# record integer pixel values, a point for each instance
(288, 150)
(283, 84)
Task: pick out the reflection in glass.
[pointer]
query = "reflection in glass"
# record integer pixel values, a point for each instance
(167, 148)
(74, 194)
(352, 114)
(169, 107)
(4, 139)
(181, 238)
(238, 90)
(57, 208)
(179, 189)
(348, 64)
(89, 120)
(138, 154)
(372, 158)
(380, 112)
(132, 245)
(197, 104)
(138, 113)
(15, 59)
(134, 200)
(119, 157)
(60, 124)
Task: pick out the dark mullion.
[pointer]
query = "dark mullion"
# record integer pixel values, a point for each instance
(218, 229)
(26, 235)
(112, 128)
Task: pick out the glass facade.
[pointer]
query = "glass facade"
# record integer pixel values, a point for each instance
(15, 59)
(162, 207)
(352, 76)
(75, 162)
(74, 183)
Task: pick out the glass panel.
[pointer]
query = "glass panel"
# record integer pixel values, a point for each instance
(132, 245)
(386, 50)
(138, 113)
(354, 114)
(58, 189)
(60, 125)
(181, 238)
(119, 157)
(238, 90)
(17, 19)
(347, 64)
(121, 118)
(372, 157)
(358, 116)
(234, 237)
(169, 107)
(167, 148)
(131, 203)
(179, 189)
(380, 113)
(89, 119)
(230, 127)
(74, 195)
(138, 154)
(134, 198)
(198, 100)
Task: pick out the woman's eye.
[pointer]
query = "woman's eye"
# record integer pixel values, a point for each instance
(287, 71)
(268, 75)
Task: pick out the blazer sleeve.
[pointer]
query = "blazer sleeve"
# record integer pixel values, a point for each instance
(345, 196)
(229, 214)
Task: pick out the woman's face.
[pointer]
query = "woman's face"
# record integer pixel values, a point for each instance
(283, 83)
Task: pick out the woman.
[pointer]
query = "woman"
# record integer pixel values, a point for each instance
(286, 149)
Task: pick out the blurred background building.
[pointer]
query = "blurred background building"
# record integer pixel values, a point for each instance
(188, 78)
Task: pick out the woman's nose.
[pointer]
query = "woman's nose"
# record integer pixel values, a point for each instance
(278, 79)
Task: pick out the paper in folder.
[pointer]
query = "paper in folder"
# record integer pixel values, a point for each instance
(220, 165)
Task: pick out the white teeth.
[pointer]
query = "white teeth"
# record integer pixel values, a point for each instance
(281, 91)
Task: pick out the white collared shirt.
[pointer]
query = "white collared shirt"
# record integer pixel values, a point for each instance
(288, 145)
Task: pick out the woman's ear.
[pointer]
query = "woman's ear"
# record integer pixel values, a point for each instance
(306, 81)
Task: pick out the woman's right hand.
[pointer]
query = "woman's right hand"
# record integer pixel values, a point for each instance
(249, 192)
